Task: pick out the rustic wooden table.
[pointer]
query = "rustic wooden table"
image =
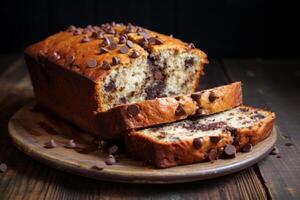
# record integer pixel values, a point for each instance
(274, 84)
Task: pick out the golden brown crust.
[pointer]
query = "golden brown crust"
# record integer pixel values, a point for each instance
(163, 154)
(162, 110)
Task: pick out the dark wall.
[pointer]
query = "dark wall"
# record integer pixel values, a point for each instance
(240, 28)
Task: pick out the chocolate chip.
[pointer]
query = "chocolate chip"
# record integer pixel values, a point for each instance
(144, 34)
(247, 148)
(77, 32)
(110, 160)
(135, 54)
(189, 63)
(91, 63)
(180, 110)
(144, 42)
(230, 151)
(51, 144)
(212, 97)
(123, 100)
(99, 35)
(105, 65)
(133, 110)
(112, 46)
(197, 142)
(202, 112)
(85, 39)
(236, 140)
(275, 151)
(129, 28)
(113, 149)
(122, 39)
(158, 75)
(215, 139)
(99, 165)
(196, 96)
(71, 28)
(86, 31)
(110, 30)
(3, 167)
(105, 42)
(115, 60)
(129, 43)
(213, 154)
(191, 46)
(71, 144)
(124, 49)
(103, 50)
(70, 59)
(154, 41)
(54, 57)
(258, 116)
(110, 87)
(288, 144)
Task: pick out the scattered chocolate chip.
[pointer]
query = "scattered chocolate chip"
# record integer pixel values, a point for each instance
(122, 39)
(189, 63)
(129, 28)
(99, 165)
(230, 151)
(123, 100)
(159, 41)
(113, 149)
(3, 167)
(55, 56)
(289, 144)
(196, 96)
(275, 151)
(191, 46)
(212, 97)
(133, 110)
(71, 28)
(91, 63)
(197, 142)
(124, 49)
(115, 60)
(129, 43)
(158, 75)
(180, 110)
(105, 65)
(110, 160)
(51, 144)
(103, 50)
(77, 32)
(85, 39)
(99, 35)
(86, 31)
(236, 140)
(105, 42)
(155, 41)
(110, 30)
(71, 144)
(247, 148)
(70, 59)
(215, 139)
(213, 154)
(110, 87)
(258, 116)
(244, 109)
(112, 46)
(135, 54)
(144, 42)
(202, 112)
(144, 34)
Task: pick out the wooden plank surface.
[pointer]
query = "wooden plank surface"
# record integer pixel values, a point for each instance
(28, 179)
(275, 84)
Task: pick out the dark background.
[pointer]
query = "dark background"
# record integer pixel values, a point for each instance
(231, 28)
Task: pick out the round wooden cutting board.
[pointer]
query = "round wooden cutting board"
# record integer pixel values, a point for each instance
(30, 129)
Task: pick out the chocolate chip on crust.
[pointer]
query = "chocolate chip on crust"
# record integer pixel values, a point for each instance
(91, 63)
(71, 144)
(230, 151)
(189, 63)
(212, 97)
(71, 28)
(197, 142)
(129, 43)
(110, 160)
(196, 96)
(135, 54)
(191, 46)
(215, 139)
(247, 148)
(213, 154)
(85, 39)
(133, 110)
(180, 110)
(110, 87)
(103, 50)
(124, 49)
(105, 65)
(51, 144)
(115, 60)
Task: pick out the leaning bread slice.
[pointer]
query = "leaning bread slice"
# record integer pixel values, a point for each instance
(199, 139)
(169, 109)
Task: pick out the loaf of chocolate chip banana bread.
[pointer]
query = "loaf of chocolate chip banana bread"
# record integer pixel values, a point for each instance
(81, 72)
(199, 139)
(169, 109)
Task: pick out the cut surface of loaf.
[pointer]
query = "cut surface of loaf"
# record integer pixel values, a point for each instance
(92, 69)
(169, 109)
(199, 139)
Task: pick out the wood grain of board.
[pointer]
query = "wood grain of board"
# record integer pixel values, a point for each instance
(275, 84)
(29, 179)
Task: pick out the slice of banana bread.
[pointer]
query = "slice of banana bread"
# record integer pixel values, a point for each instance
(199, 139)
(169, 109)
(82, 71)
